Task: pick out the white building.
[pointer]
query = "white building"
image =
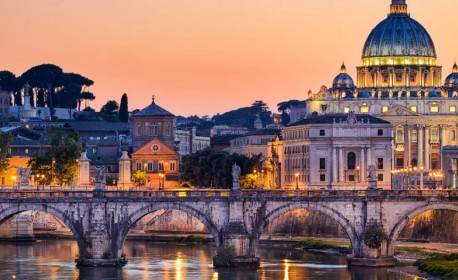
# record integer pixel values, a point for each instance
(331, 151)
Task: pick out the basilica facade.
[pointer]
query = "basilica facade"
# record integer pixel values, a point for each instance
(400, 82)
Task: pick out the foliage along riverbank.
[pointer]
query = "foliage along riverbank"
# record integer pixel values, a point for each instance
(442, 265)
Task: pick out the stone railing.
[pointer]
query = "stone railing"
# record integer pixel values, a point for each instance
(63, 193)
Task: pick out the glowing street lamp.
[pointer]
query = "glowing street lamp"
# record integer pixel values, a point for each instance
(297, 180)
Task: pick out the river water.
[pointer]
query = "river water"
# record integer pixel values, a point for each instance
(54, 259)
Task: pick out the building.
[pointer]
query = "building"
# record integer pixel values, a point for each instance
(222, 130)
(399, 81)
(253, 143)
(330, 151)
(189, 141)
(154, 151)
(5, 103)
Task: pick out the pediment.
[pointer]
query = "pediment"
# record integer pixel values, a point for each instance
(400, 111)
(155, 147)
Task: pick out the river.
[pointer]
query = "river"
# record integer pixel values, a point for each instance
(54, 259)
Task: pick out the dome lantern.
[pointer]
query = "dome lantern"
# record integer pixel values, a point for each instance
(398, 7)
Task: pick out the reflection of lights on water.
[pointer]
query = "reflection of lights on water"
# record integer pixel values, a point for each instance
(215, 276)
(287, 265)
(178, 261)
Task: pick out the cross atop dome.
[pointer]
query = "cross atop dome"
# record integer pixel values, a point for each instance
(343, 68)
(398, 7)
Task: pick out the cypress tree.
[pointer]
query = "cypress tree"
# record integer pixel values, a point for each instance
(123, 110)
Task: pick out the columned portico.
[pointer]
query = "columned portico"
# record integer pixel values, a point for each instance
(427, 159)
(362, 165)
(334, 165)
(420, 140)
(341, 165)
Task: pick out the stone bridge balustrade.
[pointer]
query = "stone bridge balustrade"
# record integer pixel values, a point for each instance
(100, 220)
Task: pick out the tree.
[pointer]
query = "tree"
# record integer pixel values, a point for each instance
(47, 77)
(68, 96)
(59, 163)
(7, 81)
(110, 108)
(5, 139)
(211, 168)
(123, 109)
(139, 177)
(87, 96)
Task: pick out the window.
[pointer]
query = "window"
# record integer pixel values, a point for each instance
(172, 166)
(351, 178)
(94, 151)
(150, 166)
(380, 177)
(160, 166)
(413, 135)
(399, 162)
(434, 108)
(453, 135)
(322, 163)
(452, 108)
(322, 132)
(153, 129)
(364, 108)
(167, 129)
(398, 77)
(384, 109)
(139, 130)
(138, 165)
(379, 132)
(400, 136)
(346, 109)
(379, 163)
(412, 78)
(322, 178)
(385, 77)
(26, 151)
(413, 108)
(351, 161)
(435, 135)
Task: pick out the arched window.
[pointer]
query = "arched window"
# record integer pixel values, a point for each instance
(400, 136)
(351, 161)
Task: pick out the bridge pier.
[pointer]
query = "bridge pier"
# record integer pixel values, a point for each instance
(236, 240)
(369, 257)
(98, 252)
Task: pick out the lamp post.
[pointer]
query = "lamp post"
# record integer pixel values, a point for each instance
(297, 180)
(421, 178)
(161, 176)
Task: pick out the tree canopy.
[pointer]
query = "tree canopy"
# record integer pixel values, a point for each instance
(212, 169)
(5, 139)
(50, 85)
(60, 162)
(123, 109)
(110, 108)
(245, 116)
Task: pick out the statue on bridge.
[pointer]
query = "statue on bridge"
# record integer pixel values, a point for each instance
(236, 177)
(100, 180)
(372, 177)
(23, 176)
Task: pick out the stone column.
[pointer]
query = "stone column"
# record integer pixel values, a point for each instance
(443, 143)
(406, 147)
(369, 156)
(426, 157)
(341, 165)
(124, 177)
(362, 178)
(420, 146)
(334, 165)
(83, 170)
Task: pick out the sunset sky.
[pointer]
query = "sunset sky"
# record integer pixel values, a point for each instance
(205, 56)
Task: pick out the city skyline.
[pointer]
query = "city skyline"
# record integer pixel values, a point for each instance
(227, 53)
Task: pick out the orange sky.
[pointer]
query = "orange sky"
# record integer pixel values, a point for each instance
(205, 56)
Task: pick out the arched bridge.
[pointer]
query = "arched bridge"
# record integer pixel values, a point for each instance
(100, 220)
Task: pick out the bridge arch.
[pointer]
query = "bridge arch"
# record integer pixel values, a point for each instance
(338, 217)
(151, 208)
(399, 226)
(75, 227)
